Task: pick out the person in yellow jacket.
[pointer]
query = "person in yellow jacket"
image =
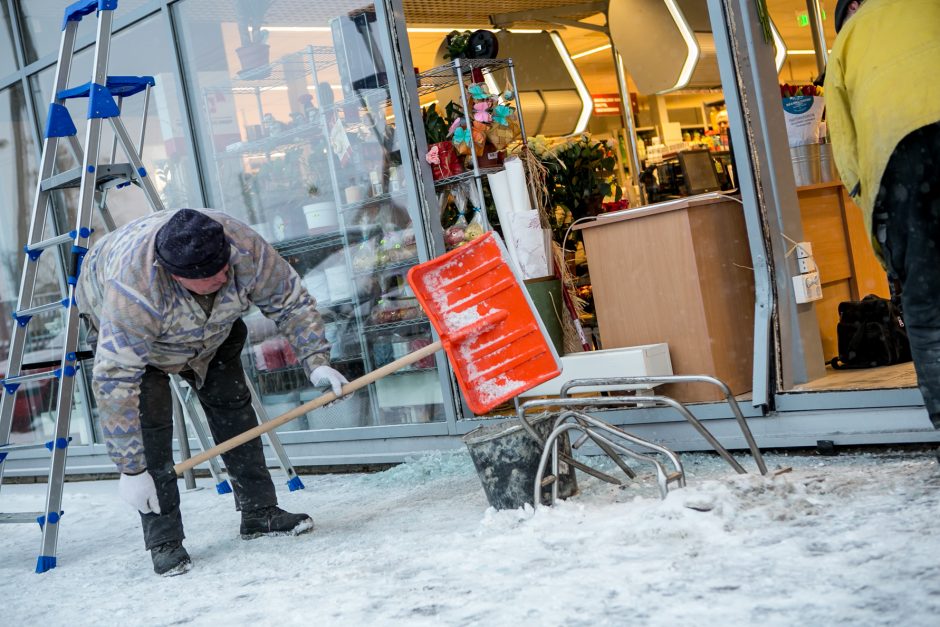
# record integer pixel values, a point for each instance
(883, 113)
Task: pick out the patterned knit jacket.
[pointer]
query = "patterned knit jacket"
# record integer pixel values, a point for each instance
(139, 316)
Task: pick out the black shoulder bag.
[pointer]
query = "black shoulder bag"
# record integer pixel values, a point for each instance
(871, 333)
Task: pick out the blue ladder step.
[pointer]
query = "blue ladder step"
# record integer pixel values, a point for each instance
(77, 10)
(12, 383)
(123, 86)
(38, 309)
(50, 446)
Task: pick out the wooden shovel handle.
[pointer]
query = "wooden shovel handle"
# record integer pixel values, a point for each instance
(320, 401)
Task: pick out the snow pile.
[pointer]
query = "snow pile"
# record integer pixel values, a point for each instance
(851, 539)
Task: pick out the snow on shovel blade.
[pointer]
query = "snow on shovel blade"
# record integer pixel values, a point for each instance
(494, 339)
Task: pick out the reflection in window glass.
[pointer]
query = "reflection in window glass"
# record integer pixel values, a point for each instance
(142, 49)
(292, 107)
(42, 24)
(33, 418)
(7, 58)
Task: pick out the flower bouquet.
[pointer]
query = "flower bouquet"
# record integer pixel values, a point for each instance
(505, 121)
(441, 151)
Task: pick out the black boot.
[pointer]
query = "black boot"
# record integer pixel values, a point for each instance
(170, 559)
(273, 521)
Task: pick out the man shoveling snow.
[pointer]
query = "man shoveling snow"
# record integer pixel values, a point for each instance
(164, 295)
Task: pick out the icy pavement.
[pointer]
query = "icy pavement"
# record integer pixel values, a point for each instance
(851, 540)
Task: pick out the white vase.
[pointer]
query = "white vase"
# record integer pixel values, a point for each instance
(321, 216)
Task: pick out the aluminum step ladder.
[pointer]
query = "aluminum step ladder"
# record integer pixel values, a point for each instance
(93, 181)
(195, 416)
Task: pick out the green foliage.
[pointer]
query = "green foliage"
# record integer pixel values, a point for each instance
(580, 174)
(250, 18)
(435, 126)
(457, 43)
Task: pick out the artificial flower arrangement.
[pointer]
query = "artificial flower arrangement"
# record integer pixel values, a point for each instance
(441, 155)
(493, 124)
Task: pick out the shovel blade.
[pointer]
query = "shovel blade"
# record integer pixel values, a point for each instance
(491, 333)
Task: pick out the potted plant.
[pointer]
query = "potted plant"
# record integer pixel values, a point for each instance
(254, 51)
(457, 44)
(441, 154)
(579, 175)
(320, 208)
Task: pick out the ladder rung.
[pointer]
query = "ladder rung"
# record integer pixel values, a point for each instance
(49, 243)
(38, 376)
(676, 476)
(122, 86)
(106, 176)
(21, 517)
(9, 448)
(32, 311)
(51, 363)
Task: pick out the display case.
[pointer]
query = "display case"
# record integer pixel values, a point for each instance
(307, 151)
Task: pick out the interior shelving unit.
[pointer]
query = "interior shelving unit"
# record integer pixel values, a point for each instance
(370, 244)
(376, 318)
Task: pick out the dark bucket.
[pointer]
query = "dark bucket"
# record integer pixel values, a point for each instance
(507, 459)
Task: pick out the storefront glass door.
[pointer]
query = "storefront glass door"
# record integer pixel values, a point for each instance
(296, 118)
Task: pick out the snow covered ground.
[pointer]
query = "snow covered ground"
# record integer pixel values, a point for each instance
(851, 540)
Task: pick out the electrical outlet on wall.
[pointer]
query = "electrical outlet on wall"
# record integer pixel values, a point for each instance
(806, 264)
(804, 249)
(807, 287)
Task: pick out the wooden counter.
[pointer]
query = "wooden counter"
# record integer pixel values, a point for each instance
(678, 272)
(848, 269)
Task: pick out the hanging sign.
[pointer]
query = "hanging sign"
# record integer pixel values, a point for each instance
(606, 104)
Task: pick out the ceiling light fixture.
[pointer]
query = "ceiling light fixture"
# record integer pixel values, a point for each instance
(780, 47)
(691, 43)
(410, 29)
(587, 104)
(591, 51)
(801, 52)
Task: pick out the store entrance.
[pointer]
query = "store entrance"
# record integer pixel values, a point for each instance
(652, 139)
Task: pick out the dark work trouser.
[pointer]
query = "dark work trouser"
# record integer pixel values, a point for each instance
(227, 402)
(907, 225)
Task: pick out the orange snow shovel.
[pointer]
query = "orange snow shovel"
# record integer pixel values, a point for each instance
(495, 342)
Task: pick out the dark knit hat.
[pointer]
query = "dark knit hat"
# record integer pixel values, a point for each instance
(192, 245)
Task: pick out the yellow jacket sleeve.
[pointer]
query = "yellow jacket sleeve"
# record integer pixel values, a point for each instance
(842, 129)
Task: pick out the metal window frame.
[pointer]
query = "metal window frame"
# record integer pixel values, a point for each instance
(780, 346)
(793, 353)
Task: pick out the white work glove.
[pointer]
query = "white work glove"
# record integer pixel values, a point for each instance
(323, 375)
(140, 492)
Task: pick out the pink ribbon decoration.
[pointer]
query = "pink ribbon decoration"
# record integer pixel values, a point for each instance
(434, 155)
(481, 112)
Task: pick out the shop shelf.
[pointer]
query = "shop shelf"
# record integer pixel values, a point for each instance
(444, 76)
(288, 67)
(335, 304)
(346, 359)
(411, 371)
(308, 243)
(429, 81)
(375, 200)
(465, 176)
(388, 267)
(375, 97)
(391, 326)
(292, 377)
(296, 135)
